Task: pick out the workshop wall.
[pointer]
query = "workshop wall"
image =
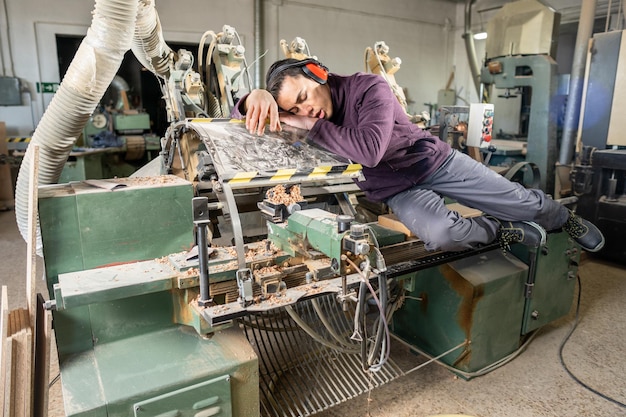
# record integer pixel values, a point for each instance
(422, 33)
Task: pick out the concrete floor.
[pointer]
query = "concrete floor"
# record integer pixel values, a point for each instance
(534, 384)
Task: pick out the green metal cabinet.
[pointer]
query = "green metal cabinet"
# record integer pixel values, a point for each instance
(492, 301)
(479, 299)
(550, 295)
(121, 351)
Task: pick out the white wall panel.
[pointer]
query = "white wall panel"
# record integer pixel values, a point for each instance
(425, 34)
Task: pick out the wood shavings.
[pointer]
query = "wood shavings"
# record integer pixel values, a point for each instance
(279, 195)
(253, 251)
(192, 272)
(219, 309)
(277, 301)
(163, 260)
(314, 288)
(268, 270)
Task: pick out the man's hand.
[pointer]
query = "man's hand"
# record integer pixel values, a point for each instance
(261, 106)
(302, 122)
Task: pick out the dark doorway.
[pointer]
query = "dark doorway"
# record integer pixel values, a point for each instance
(144, 88)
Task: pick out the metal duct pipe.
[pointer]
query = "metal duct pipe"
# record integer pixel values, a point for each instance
(121, 87)
(258, 42)
(148, 44)
(470, 47)
(572, 110)
(96, 62)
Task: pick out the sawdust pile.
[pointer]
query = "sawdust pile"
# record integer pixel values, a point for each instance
(280, 195)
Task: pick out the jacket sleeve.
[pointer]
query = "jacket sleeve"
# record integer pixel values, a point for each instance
(367, 141)
(238, 111)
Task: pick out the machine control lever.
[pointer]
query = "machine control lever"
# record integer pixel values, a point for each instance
(201, 219)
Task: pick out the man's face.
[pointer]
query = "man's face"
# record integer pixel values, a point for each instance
(303, 96)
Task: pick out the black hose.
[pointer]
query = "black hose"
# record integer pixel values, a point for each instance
(361, 320)
(381, 331)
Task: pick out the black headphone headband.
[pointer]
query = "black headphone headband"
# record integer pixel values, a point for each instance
(311, 68)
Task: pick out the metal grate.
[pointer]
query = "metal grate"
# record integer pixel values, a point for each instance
(301, 375)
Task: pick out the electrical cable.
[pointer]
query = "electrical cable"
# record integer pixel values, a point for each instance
(316, 336)
(245, 64)
(608, 17)
(246, 67)
(562, 346)
(477, 373)
(8, 32)
(54, 380)
(383, 327)
(379, 344)
(32, 109)
(203, 39)
(327, 324)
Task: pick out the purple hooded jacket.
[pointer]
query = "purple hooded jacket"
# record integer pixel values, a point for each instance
(370, 127)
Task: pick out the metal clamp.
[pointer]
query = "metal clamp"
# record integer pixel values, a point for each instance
(244, 283)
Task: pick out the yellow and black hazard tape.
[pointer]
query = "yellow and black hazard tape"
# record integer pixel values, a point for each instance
(285, 175)
(17, 143)
(18, 140)
(210, 119)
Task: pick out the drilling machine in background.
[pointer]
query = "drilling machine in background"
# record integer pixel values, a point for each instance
(378, 61)
(221, 78)
(296, 49)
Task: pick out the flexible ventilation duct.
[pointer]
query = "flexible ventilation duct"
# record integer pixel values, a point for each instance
(96, 62)
(148, 44)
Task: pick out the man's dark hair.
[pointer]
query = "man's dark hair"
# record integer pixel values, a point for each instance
(275, 75)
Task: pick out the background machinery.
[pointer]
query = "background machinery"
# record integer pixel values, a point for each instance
(522, 63)
(599, 173)
(378, 61)
(286, 322)
(179, 303)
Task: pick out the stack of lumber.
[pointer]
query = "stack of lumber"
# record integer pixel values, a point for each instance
(17, 360)
(25, 332)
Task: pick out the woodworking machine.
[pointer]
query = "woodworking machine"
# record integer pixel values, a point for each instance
(247, 275)
(245, 281)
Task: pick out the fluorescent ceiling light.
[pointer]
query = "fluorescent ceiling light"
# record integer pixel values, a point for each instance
(480, 35)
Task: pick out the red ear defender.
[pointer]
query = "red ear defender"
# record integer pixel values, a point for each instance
(310, 67)
(316, 72)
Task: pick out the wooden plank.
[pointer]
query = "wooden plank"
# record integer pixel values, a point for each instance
(474, 153)
(24, 363)
(19, 377)
(19, 395)
(29, 370)
(42, 359)
(467, 212)
(31, 284)
(392, 222)
(20, 340)
(13, 325)
(8, 379)
(5, 351)
(31, 243)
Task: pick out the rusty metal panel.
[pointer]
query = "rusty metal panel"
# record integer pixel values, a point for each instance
(479, 299)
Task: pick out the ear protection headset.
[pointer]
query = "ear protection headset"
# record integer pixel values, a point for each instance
(310, 67)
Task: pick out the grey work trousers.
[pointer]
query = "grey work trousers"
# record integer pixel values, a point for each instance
(422, 208)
